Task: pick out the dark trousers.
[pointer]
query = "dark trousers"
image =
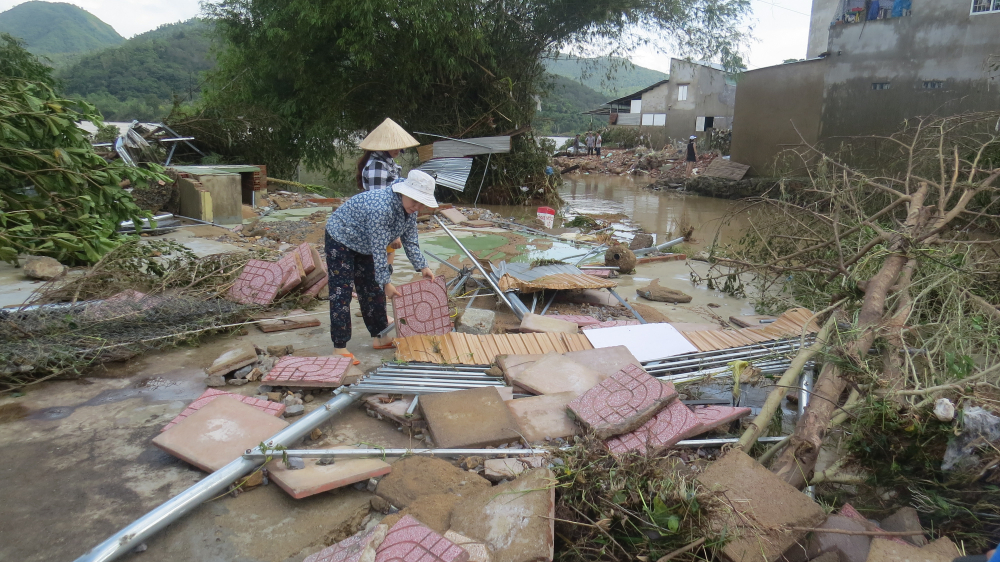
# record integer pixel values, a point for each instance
(347, 268)
(598, 149)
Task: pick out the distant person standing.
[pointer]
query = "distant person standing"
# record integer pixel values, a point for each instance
(576, 146)
(590, 143)
(692, 155)
(597, 144)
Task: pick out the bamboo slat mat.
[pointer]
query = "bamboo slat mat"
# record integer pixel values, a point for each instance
(787, 325)
(468, 349)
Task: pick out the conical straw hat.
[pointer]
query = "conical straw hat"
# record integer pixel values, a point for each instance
(388, 136)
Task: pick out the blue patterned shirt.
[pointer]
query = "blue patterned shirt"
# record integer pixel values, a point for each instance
(368, 222)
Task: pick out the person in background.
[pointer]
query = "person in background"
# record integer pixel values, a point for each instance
(576, 146)
(377, 167)
(590, 143)
(597, 144)
(357, 234)
(692, 155)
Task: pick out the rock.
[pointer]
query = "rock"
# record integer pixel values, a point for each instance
(701, 256)
(641, 241)
(215, 380)
(42, 267)
(509, 469)
(274, 396)
(906, 519)
(655, 292)
(433, 510)
(292, 400)
(233, 359)
(295, 463)
(141, 548)
(476, 321)
(415, 477)
(242, 373)
(264, 388)
(472, 463)
(296, 410)
(237, 382)
(316, 434)
(944, 410)
(380, 504)
(308, 398)
(941, 550)
(514, 520)
(852, 548)
(621, 257)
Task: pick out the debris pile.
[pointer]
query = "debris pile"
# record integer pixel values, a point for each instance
(665, 165)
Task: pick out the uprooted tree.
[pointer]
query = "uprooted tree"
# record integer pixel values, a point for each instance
(903, 258)
(299, 81)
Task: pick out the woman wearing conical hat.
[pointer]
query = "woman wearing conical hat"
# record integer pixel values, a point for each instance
(377, 167)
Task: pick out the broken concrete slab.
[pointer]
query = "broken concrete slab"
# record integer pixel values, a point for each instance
(218, 433)
(312, 372)
(547, 324)
(514, 520)
(607, 360)
(410, 541)
(477, 550)
(307, 257)
(415, 477)
(513, 365)
(354, 548)
(906, 519)
(509, 469)
(541, 417)
(395, 409)
(316, 478)
(476, 321)
(235, 358)
(851, 548)
(655, 292)
(941, 550)
(454, 215)
(621, 403)
(273, 408)
(847, 510)
(292, 320)
(712, 417)
(258, 283)
(662, 431)
(555, 373)
(765, 500)
(433, 510)
(477, 417)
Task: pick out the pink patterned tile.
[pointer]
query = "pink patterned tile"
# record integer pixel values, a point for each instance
(258, 283)
(291, 266)
(347, 550)
(421, 309)
(621, 403)
(578, 319)
(306, 257)
(662, 431)
(612, 324)
(266, 406)
(715, 416)
(409, 541)
(317, 287)
(309, 371)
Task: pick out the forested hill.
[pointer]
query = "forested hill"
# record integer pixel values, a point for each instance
(625, 78)
(563, 105)
(55, 28)
(139, 79)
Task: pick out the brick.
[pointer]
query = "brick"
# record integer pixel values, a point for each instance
(477, 417)
(712, 417)
(662, 431)
(273, 408)
(421, 308)
(547, 324)
(500, 469)
(556, 373)
(544, 416)
(578, 319)
(409, 541)
(218, 433)
(241, 356)
(317, 478)
(477, 550)
(258, 283)
(293, 320)
(315, 372)
(621, 403)
(763, 504)
(352, 548)
(515, 519)
(941, 550)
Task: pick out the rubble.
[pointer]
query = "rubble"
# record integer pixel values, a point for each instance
(476, 321)
(235, 358)
(621, 403)
(509, 469)
(44, 268)
(906, 519)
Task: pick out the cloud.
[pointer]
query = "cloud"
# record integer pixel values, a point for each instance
(131, 17)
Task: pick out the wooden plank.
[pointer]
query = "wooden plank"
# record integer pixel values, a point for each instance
(482, 145)
(727, 169)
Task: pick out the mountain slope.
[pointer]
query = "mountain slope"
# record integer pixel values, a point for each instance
(612, 76)
(563, 105)
(50, 28)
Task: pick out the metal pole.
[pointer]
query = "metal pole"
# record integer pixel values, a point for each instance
(479, 266)
(663, 246)
(354, 453)
(805, 391)
(146, 526)
(628, 306)
(548, 304)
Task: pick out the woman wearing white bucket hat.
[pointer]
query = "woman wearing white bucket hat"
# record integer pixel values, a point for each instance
(357, 235)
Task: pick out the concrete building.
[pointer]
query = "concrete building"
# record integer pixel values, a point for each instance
(695, 97)
(870, 76)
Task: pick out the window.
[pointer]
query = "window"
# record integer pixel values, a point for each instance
(933, 84)
(647, 119)
(682, 92)
(880, 85)
(983, 6)
(699, 124)
(659, 119)
(636, 106)
(709, 122)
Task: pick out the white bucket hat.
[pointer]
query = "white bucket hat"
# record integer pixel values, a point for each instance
(692, 137)
(418, 186)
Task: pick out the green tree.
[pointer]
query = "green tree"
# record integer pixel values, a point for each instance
(320, 71)
(17, 62)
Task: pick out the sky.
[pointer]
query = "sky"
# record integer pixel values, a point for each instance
(781, 27)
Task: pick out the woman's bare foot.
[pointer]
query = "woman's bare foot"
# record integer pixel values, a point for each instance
(383, 342)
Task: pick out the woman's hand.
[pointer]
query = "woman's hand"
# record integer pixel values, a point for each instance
(396, 244)
(390, 291)
(428, 274)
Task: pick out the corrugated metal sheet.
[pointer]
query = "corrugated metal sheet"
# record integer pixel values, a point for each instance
(471, 147)
(468, 349)
(788, 324)
(449, 172)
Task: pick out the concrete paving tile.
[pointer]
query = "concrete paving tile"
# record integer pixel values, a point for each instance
(410, 541)
(307, 257)
(415, 477)
(315, 372)
(544, 416)
(509, 469)
(513, 365)
(258, 283)
(294, 273)
(847, 510)
(712, 417)
(273, 408)
(662, 431)
(514, 520)
(350, 549)
(607, 360)
(762, 504)
(316, 478)
(621, 403)
(395, 409)
(556, 373)
(547, 324)
(218, 433)
(239, 356)
(477, 550)
(454, 215)
(421, 308)
(477, 417)
(906, 519)
(293, 320)
(941, 550)
(578, 319)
